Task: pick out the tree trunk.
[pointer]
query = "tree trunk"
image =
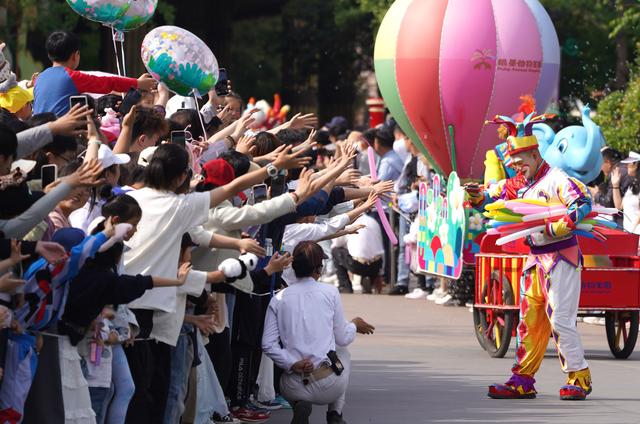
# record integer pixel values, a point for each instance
(622, 58)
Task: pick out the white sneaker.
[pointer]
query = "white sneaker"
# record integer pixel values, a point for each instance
(417, 293)
(437, 294)
(356, 283)
(590, 320)
(444, 299)
(600, 321)
(329, 279)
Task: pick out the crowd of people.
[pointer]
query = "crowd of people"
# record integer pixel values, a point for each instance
(157, 254)
(130, 221)
(148, 242)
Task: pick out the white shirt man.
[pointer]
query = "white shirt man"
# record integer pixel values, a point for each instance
(304, 323)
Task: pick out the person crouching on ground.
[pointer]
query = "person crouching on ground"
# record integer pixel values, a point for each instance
(306, 334)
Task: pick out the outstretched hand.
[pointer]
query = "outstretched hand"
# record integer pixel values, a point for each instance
(73, 123)
(362, 326)
(183, 272)
(287, 160)
(87, 175)
(248, 245)
(309, 120)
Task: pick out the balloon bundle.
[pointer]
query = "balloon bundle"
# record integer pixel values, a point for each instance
(515, 219)
(119, 15)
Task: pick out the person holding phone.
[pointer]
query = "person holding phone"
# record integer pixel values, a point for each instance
(56, 84)
(22, 210)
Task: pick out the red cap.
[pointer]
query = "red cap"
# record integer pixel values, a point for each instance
(217, 172)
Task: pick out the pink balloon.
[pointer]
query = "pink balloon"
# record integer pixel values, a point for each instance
(379, 209)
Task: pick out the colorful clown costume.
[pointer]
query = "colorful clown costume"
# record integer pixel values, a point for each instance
(550, 284)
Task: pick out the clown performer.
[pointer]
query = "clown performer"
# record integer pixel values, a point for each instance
(550, 284)
(497, 164)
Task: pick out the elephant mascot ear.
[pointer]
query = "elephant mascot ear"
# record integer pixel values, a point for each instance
(545, 135)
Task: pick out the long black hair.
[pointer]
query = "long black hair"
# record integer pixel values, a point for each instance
(169, 162)
(126, 208)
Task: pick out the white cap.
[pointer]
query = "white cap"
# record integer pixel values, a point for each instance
(107, 158)
(144, 159)
(633, 157)
(179, 102)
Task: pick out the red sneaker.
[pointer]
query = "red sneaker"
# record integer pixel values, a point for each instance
(518, 387)
(248, 416)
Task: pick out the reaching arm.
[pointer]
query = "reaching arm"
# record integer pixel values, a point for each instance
(123, 145)
(87, 83)
(215, 277)
(344, 332)
(227, 191)
(183, 272)
(364, 207)
(283, 161)
(241, 245)
(19, 226)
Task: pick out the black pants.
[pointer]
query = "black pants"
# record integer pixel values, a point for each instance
(150, 364)
(44, 403)
(244, 372)
(219, 350)
(345, 263)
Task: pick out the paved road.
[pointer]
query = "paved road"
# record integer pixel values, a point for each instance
(424, 365)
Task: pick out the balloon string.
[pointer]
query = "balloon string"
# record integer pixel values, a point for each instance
(204, 131)
(124, 62)
(115, 49)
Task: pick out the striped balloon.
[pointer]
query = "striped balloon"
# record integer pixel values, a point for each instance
(446, 66)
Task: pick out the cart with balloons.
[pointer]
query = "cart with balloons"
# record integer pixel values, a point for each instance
(444, 67)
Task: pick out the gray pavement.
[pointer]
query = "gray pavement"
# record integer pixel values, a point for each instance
(424, 365)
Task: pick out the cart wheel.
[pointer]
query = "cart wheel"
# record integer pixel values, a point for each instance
(622, 332)
(493, 327)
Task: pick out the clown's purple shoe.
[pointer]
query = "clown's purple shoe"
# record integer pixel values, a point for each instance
(518, 387)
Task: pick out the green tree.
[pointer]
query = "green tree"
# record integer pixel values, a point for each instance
(619, 117)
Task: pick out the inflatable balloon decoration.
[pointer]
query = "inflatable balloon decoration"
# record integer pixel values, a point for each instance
(182, 61)
(267, 117)
(119, 15)
(516, 219)
(446, 66)
(575, 149)
(140, 12)
(103, 11)
(179, 59)
(379, 209)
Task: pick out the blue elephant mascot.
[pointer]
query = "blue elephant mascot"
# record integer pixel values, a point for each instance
(575, 149)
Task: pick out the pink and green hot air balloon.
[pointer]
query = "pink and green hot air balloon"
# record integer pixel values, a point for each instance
(446, 66)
